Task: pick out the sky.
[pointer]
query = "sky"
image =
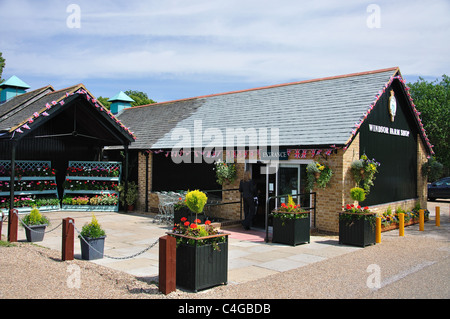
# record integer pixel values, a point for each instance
(174, 49)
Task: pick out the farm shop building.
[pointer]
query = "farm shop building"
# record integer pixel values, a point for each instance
(332, 120)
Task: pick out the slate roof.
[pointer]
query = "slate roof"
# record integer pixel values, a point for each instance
(19, 114)
(320, 112)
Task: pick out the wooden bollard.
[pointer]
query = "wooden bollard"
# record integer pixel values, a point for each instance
(438, 216)
(167, 264)
(67, 239)
(378, 230)
(1, 224)
(13, 225)
(401, 224)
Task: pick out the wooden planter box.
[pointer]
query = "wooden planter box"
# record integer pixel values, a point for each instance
(291, 231)
(357, 231)
(201, 266)
(93, 249)
(35, 233)
(394, 225)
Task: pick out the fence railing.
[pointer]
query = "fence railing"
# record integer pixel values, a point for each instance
(312, 208)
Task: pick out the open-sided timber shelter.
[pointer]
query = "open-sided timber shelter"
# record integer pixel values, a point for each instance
(333, 120)
(44, 129)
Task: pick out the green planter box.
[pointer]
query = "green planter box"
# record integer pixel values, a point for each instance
(200, 267)
(291, 231)
(35, 233)
(357, 229)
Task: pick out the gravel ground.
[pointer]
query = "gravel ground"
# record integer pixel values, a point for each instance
(30, 271)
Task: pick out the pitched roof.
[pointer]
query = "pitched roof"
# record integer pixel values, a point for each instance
(14, 81)
(121, 97)
(18, 115)
(308, 113)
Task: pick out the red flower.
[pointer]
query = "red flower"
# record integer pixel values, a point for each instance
(193, 226)
(366, 208)
(208, 222)
(183, 219)
(197, 221)
(186, 224)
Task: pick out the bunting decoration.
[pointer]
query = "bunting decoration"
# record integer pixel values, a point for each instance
(91, 99)
(297, 153)
(364, 116)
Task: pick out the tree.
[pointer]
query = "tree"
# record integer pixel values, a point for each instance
(432, 99)
(104, 102)
(2, 65)
(140, 98)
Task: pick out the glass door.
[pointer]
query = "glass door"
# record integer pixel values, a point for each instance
(288, 182)
(292, 181)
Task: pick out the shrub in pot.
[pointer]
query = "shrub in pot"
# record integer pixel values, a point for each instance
(92, 240)
(35, 224)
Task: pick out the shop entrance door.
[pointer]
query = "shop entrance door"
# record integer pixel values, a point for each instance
(266, 187)
(292, 181)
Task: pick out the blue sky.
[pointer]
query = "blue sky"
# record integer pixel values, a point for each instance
(178, 49)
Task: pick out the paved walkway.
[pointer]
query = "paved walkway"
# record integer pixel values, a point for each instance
(250, 257)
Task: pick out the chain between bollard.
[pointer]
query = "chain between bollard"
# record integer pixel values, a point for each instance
(36, 231)
(113, 257)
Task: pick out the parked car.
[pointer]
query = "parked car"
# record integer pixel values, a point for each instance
(439, 189)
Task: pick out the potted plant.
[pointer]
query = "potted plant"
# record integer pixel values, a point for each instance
(92, 240)
(319, 174)
(202, 251)
(35, 224)
(129, 197)
(291, 224)
(357, 226)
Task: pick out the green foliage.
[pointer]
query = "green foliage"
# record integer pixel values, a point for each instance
(358, 194)
(196, 201)
(92, 229)
(140, 98)
(225, 172)
(2, 65)
(363, 171)
(104, 101)
(35, 218)
(432, 169)
(432, 100)
(319, 174)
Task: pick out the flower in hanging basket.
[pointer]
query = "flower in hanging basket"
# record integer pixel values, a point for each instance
(364, 171)
(318, 173)
(225, 172)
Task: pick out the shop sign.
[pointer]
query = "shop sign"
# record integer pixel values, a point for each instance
(388, 130)
(278, 155)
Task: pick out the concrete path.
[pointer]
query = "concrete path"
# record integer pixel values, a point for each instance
(250, 257)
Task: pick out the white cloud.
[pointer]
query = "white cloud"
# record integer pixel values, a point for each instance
(254, 40)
